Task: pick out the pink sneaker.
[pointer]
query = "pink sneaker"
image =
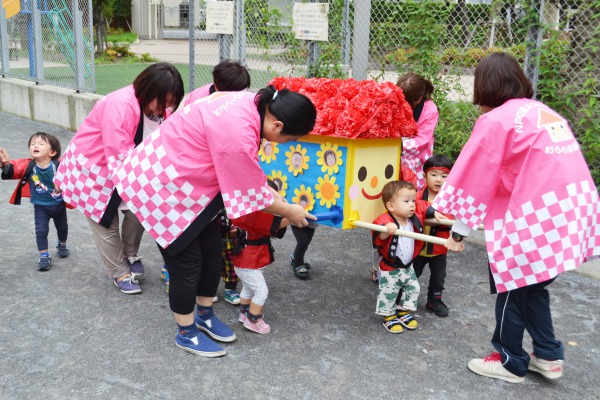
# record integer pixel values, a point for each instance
(259, 326)
(243, 318)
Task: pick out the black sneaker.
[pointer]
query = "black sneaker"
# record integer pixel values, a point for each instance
(44, 263)
(438, 307)
(62, 250)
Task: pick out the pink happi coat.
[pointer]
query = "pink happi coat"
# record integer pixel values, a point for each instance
(207, 147)
(196, 94)
(417, 149)
(105, 137)
(522, 173)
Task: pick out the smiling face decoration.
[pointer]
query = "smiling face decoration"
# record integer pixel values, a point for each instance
(373, 168)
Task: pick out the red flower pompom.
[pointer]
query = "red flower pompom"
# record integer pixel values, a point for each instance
(355, 109)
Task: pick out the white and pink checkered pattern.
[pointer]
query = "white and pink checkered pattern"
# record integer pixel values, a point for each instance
(463, 206)
(417, 149)
(540, 210)
(238, 203)
(149, 184)
(169, 179)
(102, 141)
(552, 234)
(86, 186)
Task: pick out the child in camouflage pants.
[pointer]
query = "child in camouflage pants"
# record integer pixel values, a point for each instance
(404, 213)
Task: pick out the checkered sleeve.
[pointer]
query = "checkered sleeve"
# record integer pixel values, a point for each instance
(475, 178)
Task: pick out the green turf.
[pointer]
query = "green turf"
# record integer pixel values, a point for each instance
(110, 77)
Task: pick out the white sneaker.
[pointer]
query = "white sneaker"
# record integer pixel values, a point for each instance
(216, 299)
(491, 366)
(548, 369)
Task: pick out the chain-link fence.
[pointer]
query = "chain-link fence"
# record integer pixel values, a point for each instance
(48, 41)
(555, 40)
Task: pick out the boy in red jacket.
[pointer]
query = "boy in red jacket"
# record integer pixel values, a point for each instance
(251, 253)
(36, 181)
(398, 252)
(436, 169)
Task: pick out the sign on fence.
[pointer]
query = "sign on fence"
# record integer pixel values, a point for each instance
(219, 17)
(310, 21)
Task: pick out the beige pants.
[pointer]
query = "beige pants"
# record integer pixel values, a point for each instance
(115, 248)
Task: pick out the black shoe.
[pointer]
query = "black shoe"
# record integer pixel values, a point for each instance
(438, 307)
(301, 271)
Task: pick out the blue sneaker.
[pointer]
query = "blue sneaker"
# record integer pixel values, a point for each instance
(136, 267)
(62, 250)
(128, 285)
(200, 345)
(215, 328)
(44, 263)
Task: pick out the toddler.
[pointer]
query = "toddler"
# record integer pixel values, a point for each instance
(36, 181)
(397, 253)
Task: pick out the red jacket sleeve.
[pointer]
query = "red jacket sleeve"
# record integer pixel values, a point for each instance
(15, 169)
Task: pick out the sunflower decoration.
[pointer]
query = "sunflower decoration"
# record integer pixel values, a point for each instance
(304, 196)
(280, 180)
(297, 160)
(329, 158)
(268, 151)
(327, 191)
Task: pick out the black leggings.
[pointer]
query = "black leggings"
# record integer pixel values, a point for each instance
(303, 238)
(437, 277)
(196, 270)
(42, 216)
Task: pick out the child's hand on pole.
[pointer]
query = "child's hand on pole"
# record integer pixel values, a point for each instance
(391, 228)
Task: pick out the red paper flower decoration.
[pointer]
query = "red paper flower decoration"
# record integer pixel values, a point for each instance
(355, 109)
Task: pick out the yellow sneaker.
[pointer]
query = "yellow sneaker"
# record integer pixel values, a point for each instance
(407, 319)
(392, 324)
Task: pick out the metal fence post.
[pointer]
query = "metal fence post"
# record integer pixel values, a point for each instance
(362, 26)
(79, 47)
(346, 39)
(4, 37)
(313, 55)
(224, 47)
(534, 45)
(192, 44)
(38, 54)
(239, 33)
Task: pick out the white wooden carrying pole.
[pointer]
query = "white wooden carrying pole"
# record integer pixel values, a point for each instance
(412, 235)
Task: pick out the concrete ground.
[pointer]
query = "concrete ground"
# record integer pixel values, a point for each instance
(70, 334)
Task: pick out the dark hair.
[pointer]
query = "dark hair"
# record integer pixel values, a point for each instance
(230, 76)
(50, 139)
(328, 152)
(272, 184)
(499, 78)
(297, 113)
(438, 160)
(392, 188)
(415, 88)
(157, 82)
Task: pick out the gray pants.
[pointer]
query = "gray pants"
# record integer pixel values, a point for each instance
(115, 247)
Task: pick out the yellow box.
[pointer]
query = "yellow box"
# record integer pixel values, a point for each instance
(331, 175)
